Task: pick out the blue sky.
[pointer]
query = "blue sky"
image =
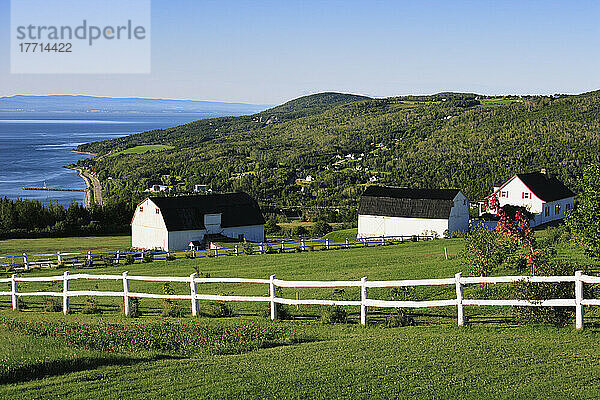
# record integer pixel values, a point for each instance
(268, 52)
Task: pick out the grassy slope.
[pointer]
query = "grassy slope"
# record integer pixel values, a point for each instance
(73, 244)
(486, 360)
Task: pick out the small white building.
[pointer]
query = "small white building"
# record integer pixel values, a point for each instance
(395, 211)
(544, 196)
(172, 223)
(158, 188)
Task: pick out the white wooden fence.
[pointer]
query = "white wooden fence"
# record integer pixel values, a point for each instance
(458, 281)
(26, 261)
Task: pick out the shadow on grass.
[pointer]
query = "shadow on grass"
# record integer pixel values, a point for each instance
(46, 369)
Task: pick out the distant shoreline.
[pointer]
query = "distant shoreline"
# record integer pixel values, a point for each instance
(88, 184)
(83, 152)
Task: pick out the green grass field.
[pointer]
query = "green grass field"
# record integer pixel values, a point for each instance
(492, 357)
(70, 244)
(143, 149)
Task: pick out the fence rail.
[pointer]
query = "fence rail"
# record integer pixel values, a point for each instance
(458, 281)
(25, 261)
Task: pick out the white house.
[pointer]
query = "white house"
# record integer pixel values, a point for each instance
(395, 211)
(172, 223)
(540, 193)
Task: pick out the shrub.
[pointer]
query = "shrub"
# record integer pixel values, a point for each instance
(171, 309)
(51, 304)
(283, 312)
(148, 257)
(299, 231)
(333, 315)
(129, 259)
(90, 306)
(215, 309)
(134, 308)
(248, 248)
(88, 263)
(558, 316)
(399, 317)
(321, 228)
(108, 261)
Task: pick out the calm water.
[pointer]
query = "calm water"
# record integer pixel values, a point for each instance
(34, 151)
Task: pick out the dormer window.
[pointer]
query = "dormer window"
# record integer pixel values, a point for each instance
(141, 209)
(526, 195)
(158, 210)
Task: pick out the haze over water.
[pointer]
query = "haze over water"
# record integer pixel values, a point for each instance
(34, 150)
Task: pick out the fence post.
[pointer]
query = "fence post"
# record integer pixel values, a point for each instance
(303, 245)
(25, 261)
(66, 292)
(363, 301)
(272, 296)
(578, 299)
(282, 247)
(89, 255)
(216, 252)
(383, 240)
(327, 244)
(193, 292)
(125, 294)
(446, 252)
(58, 257)
(118, 256)
(459, 299)
(347, 243)
(13, 292)
(142, 255)
(262, 248)
(237, 253)
(364, 242)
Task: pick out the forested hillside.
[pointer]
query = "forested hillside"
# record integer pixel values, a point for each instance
(346, 142)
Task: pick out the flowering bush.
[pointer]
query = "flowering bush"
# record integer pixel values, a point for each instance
(183, 338)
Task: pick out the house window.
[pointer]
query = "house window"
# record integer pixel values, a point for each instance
(547, 211)
(504, 194)
(526, 195)
(158, 210)
(568, 206)
(557, 209)
(141, 209)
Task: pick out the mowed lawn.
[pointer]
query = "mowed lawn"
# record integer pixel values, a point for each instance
(10, 247)
(492, 357)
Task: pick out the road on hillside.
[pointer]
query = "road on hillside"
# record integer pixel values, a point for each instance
(93, 185)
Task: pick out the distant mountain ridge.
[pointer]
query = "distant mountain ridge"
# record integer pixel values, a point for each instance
(76, 104)
(346, 142)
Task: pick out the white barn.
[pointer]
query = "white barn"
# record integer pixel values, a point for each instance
(171, 223)
(540, 193)
(395, 211)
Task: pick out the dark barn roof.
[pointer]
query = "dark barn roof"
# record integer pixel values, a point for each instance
(184, 213)
(404, 202)
(545, 186)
